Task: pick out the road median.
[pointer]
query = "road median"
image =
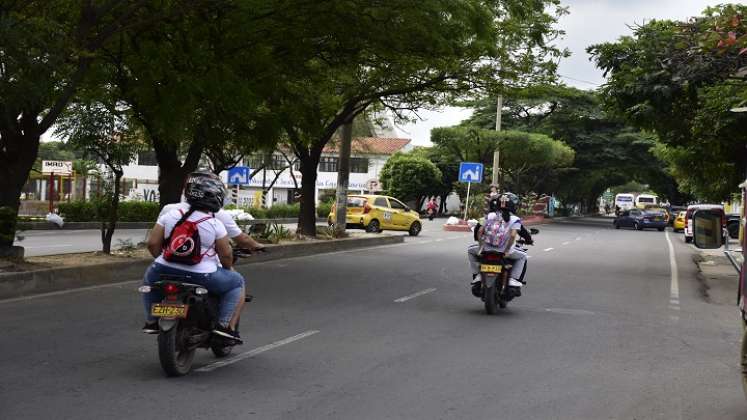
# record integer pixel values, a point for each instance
(26, 283)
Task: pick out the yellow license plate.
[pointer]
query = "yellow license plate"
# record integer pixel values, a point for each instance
(169, 310)
(489, 268)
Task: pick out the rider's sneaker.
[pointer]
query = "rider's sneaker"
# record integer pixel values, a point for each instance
(514, 283)
(228, 333)
(150, 327)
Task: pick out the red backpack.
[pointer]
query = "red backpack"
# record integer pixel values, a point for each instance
(183, 245)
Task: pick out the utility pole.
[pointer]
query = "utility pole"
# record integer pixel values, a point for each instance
(497, 153)
(343, 177)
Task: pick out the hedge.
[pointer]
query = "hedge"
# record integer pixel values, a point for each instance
(95, 211)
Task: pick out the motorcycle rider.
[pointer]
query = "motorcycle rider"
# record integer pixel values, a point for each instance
(507, 225)
(204, 196)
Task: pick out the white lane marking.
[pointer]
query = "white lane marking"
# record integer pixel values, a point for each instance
(674, 288)
(569, 311)
(566, 243)
(48, 246)
(440, 240)
(65, 292)
(254, 352)
(548, 249)
(674, 318)
(674, 301)
(414, 295)
(578, 238)
(674, 307)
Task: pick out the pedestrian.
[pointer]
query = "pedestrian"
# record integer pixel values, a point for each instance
(606, 208)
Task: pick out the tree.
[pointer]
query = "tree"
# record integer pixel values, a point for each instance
(677, 80)
(103, 133)
(529, 161)
(438, 51)
(410, 178)
(48, 50)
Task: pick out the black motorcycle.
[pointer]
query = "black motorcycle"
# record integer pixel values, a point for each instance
(493, 287)
(187, 316)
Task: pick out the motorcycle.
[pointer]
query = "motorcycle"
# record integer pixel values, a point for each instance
(494, 289)
(187, 316)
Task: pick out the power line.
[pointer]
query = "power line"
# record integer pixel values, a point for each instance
(579, 80)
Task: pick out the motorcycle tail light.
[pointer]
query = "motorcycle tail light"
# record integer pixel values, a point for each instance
(170, 288)
(492, 257)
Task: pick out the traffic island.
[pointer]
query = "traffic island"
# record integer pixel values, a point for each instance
(718, 279)
(38, 275)
(462, 225)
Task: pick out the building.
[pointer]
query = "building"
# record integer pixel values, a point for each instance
(281, 179)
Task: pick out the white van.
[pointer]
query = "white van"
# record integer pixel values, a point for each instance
(644, 200)
(625, 201)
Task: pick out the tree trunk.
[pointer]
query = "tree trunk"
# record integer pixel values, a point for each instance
(15, 164)
(307, 214)
(171, 172)
(107, 232)
(343, 178)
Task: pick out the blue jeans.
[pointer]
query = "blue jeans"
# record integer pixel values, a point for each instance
(226, 283)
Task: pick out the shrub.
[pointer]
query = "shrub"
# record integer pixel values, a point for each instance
(96, 210)
(323, 209)
(138, 211)
(282, 211)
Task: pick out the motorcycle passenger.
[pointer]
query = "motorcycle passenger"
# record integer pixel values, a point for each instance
(432, 208)
(505, 226)
(205, 197)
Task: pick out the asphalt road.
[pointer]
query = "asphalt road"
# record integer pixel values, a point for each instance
(602, 332)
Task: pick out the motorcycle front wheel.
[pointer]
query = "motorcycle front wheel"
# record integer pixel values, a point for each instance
(175, 360)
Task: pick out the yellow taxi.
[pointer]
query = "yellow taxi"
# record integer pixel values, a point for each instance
(375, 213)
(679, 221)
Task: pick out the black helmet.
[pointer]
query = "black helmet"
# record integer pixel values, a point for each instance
(509, 201)
(204, 191)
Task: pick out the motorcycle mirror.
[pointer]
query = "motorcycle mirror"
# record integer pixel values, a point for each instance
(707, 232)
(534, 231)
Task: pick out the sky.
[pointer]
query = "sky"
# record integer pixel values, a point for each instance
(589, 22)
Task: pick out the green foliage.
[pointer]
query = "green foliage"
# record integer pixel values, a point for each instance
(97, 210)
(323, 209)
(274, 233)
(283, 211)
(410, 177)
(677, 80)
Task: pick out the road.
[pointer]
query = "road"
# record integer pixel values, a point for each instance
(603, 331)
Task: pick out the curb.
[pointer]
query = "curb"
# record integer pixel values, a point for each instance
(14, 285)
(26, 226)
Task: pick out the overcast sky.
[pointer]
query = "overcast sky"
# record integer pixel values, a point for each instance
(589, 22)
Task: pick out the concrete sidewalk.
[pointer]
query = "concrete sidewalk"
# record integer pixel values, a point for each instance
(719, 280)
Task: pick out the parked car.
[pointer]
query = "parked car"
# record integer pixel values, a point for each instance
(732, 225)
(697, 207)
(375, 213)
(679, 221)
(640, 219)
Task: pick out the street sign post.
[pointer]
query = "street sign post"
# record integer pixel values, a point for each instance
(469, 172)
(239, 175)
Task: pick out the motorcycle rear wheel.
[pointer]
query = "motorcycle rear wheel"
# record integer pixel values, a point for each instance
(175, 362)
(490, 297)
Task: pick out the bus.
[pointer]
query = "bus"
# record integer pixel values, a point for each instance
(644, 200)
(624, 201)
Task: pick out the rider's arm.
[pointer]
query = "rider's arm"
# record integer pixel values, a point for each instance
(234, 231)
(155, 240)
(245, 241)
(511, 240)
(224, 251)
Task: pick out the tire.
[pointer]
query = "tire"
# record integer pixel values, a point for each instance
(490, 297)
(415, 229)
(688, 239)
(637, 226)
(743, 362)
(660, 229)
(502, 303)
(616, 226)
(173, 361)
(373, 226)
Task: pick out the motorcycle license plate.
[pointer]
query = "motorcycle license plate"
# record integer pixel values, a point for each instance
(169, 310)
(490, 268)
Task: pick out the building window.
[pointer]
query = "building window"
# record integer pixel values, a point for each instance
(147, 158)
(328, 164)
(359, 165)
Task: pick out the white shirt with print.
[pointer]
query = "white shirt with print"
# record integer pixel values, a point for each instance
(210, 230)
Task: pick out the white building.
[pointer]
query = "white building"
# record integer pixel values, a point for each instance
(367, 158)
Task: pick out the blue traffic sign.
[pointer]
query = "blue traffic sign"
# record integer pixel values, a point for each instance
(470, 172)
(238, 175)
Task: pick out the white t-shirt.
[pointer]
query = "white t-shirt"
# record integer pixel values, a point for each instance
(210, 230)
(231, 227)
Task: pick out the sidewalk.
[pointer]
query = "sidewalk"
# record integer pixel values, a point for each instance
(718, 278)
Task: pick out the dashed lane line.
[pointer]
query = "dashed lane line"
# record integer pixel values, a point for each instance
(548, 249)
(414, 295)
(259, 350)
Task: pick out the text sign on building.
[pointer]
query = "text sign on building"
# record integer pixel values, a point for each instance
(239, 175)
(470, 172)
(58, 167)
